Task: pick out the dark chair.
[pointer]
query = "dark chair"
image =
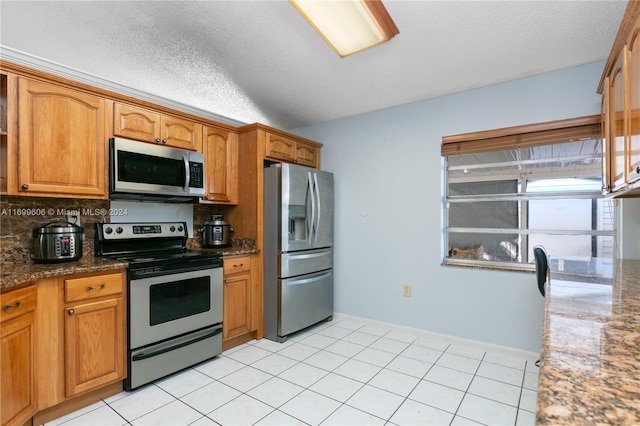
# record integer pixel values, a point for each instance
(542, 266)
(542, 271)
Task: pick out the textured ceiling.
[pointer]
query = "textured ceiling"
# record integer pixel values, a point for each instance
(261, 61)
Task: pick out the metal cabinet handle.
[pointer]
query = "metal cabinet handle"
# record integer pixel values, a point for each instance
(71, 312)
(157, 140)
(89, 288)
(226, 281)
(238, 266)
(25, 186)
(164, 141)
(638, 170)
(15, 305)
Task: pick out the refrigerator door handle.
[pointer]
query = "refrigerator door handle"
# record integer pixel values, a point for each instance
(308, 280)
(319, 207)
(312, 197)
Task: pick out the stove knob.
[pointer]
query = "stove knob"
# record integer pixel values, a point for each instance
(172, 228)
(108, 230)
(180, 228)
(119, 230)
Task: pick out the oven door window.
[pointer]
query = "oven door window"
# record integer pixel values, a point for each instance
(179, 299)
(143, 168)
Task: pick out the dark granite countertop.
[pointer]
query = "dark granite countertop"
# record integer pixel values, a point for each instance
(590, 359)
(17, 269)
(23, 271)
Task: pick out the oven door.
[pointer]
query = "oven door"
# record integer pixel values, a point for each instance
(166, 306)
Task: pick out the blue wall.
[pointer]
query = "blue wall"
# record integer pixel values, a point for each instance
(388, 209)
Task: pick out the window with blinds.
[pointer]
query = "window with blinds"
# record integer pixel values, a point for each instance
(508, 190)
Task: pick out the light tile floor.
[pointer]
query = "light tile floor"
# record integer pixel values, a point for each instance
(345, 372)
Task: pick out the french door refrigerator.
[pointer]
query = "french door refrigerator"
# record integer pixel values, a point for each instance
(298, 249)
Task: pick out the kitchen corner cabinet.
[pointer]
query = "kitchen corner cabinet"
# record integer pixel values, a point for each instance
(237, 296)
(61, 142)
(149, 126)
(620, 87)
(81, 335)
(220, 148)
(17, 356)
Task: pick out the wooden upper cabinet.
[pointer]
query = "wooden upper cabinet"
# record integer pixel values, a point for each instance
(61, 145)
(136, 123)
(280, 148)
(632, 165)
(307, 154)
(617, 115)
(148, 126)
(220, 148)
(620, 83)
(605, 126)
(291, 151)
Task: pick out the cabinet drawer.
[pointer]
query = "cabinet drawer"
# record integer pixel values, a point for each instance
(234, 265)
(89, 287)
(17, 302)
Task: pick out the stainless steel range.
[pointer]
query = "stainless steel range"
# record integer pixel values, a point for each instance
(174, 297)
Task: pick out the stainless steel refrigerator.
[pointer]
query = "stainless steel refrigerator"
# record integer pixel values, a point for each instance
(298, 249)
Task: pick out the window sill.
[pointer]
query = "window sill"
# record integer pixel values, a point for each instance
(479, 264)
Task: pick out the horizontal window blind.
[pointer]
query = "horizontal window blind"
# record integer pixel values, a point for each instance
(529, 135)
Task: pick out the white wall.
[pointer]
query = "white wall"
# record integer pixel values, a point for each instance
(388, 183)
(628, 224)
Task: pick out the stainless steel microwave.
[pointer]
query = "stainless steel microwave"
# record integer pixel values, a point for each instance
(149, 172)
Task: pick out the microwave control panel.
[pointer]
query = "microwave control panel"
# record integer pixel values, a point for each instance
(197, 175)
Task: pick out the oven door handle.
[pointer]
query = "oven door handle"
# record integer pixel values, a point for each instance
(145, 355)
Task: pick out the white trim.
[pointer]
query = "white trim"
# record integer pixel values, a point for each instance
(433, 335)
(22, 58)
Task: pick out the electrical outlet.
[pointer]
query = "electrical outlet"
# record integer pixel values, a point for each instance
(73, 216)
(406, 290)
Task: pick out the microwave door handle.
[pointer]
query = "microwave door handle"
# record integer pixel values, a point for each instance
(187, 173)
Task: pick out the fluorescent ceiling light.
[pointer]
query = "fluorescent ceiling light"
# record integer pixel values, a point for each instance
(349, 26)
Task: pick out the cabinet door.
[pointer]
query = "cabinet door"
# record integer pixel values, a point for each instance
(633, 81)
(17, 365)
(237, 305)
(306, 154)
(17, 340)
(607, 182)
(181, 133)
(280, 148)
(94, 345)
(221, 156)
(136, 123)
(61, 147)
(617, 114)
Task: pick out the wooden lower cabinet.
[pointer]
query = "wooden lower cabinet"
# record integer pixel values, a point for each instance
(94, 345)
(242, 317)
(17, 356)
(80, 346)
(237, 297)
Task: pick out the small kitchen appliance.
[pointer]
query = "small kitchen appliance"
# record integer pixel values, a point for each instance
(174, 303)
(57, 241)
(150, 172)
(216, 233)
